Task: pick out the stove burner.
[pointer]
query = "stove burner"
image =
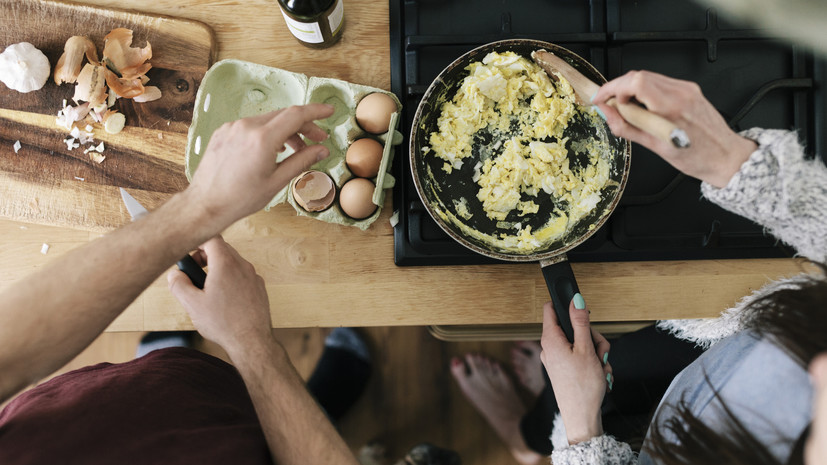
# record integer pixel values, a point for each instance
(751, 79)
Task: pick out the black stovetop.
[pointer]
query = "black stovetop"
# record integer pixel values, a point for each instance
(751, 79)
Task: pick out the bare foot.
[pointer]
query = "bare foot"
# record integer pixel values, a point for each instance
(492, 393)
(525, 358)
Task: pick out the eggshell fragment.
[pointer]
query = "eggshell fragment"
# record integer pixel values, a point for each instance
(373, 113)
(363, 158)
(355, 198)
(314, 191)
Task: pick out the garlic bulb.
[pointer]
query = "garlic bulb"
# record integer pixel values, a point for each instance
(23, 67)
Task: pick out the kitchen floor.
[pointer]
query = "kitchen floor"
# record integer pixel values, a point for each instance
(411, 398)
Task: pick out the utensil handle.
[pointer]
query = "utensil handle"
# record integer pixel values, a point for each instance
(562, 286)
(651, 123)
(193, 271)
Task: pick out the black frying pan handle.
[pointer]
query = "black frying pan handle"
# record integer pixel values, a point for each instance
(562, 286)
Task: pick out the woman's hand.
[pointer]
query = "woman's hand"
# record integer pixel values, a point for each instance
(716, 153)
(578, 372)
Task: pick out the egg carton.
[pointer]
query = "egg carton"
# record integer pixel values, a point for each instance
(234, 89)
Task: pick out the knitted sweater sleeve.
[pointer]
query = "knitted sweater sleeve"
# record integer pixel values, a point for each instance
(603, 450)
(598, 450)
(781, 190)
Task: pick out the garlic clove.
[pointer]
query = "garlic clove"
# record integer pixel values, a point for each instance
(113, 122)
(314, 191)
(68, 66)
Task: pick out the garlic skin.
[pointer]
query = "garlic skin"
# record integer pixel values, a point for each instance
(24, 68)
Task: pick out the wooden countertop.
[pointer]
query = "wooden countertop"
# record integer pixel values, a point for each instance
(326, 275)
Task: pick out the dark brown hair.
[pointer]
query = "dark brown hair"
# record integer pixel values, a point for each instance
(795, 318)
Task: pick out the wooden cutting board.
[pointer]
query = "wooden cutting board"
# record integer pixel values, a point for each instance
(47, 183)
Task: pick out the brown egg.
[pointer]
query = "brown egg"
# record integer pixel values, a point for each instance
(314, 191)
(363, 158)
(373, 113)
(355, 198)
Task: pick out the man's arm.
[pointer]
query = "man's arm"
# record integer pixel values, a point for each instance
(297, 430)
(233, 310)
(49, 317)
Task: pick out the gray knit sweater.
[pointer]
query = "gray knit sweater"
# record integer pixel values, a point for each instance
(778, 188)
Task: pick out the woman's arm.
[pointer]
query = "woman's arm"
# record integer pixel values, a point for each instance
(759, 174)
(580, 379)
(782, 190)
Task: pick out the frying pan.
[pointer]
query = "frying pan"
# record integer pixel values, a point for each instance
(442, 193)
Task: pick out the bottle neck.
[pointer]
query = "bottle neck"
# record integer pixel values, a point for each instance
(306, 7)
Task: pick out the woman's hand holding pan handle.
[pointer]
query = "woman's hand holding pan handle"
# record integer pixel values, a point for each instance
(716, 153)
(579, 372)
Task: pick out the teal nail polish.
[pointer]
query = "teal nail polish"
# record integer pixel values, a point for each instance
(579, 303)
(605, 358)
(609, 380)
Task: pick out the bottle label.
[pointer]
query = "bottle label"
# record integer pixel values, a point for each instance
(336, 16)
(307, 32)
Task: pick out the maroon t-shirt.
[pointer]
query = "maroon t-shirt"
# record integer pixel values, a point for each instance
(172, 406)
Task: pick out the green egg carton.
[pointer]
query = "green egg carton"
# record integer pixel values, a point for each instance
(235, 89)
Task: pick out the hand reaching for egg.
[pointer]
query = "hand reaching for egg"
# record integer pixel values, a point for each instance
(238, 174)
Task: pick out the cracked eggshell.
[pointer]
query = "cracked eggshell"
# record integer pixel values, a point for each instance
(314, 191)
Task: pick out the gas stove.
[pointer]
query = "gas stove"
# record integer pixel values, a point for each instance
(751, 78)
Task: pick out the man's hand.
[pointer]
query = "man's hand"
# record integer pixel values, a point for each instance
(238, 174)
(233, 311)
(717, 152)
(233, 308)
(578, 377)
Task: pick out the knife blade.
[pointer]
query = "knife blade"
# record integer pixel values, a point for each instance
(187, 264)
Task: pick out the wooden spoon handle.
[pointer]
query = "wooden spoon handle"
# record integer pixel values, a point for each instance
(585, 90)
(651, 123)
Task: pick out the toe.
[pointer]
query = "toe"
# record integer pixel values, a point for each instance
(458, 368)
(473, 362)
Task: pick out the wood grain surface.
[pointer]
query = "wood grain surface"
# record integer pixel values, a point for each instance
(326, 275)
(47, 183)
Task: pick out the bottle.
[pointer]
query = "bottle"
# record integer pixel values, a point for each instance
(315, 23)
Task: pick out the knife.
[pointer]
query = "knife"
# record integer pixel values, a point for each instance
(187, 264)
(585, 90)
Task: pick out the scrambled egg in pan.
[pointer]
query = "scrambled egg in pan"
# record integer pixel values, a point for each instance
(512, 101)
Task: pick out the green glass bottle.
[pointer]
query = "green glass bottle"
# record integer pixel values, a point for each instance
(315, 23)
